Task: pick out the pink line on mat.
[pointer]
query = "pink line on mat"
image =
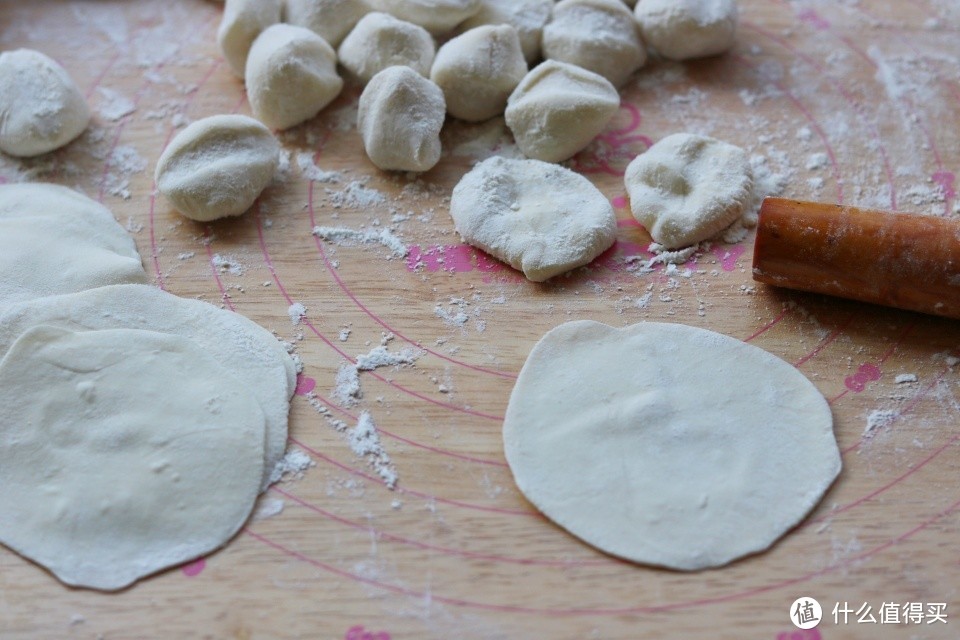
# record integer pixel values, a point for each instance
(826, 341)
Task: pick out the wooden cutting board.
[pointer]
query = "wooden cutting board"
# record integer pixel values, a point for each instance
(853, 102)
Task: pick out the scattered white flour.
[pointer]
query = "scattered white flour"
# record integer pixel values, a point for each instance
(344, 335)
(296, 311)
(348, 237)
(227, 264)
(114, 105)
(347, 390)
(364, 440)
(817, 161)
(267, 508)
(383, 357)
(124, 162)
(456, 316)
(877, 419)
(310, 170)
(904, 378)
(291, 466)
(356, 196)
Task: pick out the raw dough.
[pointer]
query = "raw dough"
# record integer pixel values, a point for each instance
(667, 444)
(41, 109)
(291, 76)
(687, 188)
(436, 16)
(330, 19)
(528, 17)
(400, 117)
(243, 21)
(379, 41)
(478, 70)
(684, 29)
(54, 240)
(217, 166)
(122, 453)
(599, 35)
(558, 109)
(241, 346)
(537, 217)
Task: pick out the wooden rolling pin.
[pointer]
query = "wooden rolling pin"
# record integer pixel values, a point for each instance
(895, 259)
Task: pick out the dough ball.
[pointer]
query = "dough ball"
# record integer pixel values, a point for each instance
(122, 452)
(54, 240)
(399, 118)
(528, 17)
(558, 109)
(330, 19)
(379, 41)
(478, 71)
(243, 21)
(667, 444)
(42, 109)
(436, 16)
(540, 218)
(684, 29)
(687, 188)
(216, 167)
(598, 35)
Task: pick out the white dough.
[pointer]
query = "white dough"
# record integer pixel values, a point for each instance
(667, 444)
(558, 109)
(599, 35)
(242, 347)
(540, 218)
(216, 167)
(436, 16)
(122, 453)
(478, 70)
(379, 41)
(330, 19)
(243, 21)
(684, 29)
(291, 76)
(41, 109)
(687, 188)
(528, 17)
(399, 118)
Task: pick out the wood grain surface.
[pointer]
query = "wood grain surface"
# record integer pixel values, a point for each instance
(837, 101)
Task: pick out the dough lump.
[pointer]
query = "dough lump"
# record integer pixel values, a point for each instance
(684, 29)
(436, 16)
(41, 109)
(330, 19)
(540, 218)
(687, 188)
(667, 444)
(558, 109)
(291, 75)
(379, 41)
(528, 17)
(599, 35)
(216, 167)
(399, 118)
(478, 70)
(243, 21)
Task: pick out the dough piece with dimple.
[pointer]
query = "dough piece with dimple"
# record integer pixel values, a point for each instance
(540, 218)
(330, 19)
(478, 70)
(41, 109)
(241, 346)
(599, 35)
(558, 109)
(291, 76)
(122, 452)
(54, 240)
(436, 16)
(216, 167)
(379, 41)
(687, 188)
(667, 444)
(684, 29)
(528, 17)
(243, 21)
(399, 118)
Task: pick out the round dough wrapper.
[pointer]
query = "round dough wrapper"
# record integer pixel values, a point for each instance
(332, 20)
(687, 188)
(41, 105)
(122, 452)
(242, 347)
(684, 29)
(540, 218)
(243, 21)
(436, 16)
(667, 444)
(528, 17)
(217, 166)
(379, 41)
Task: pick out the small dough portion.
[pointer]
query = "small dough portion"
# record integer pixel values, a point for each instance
(667, 444)
(685, 29)
(558, 109)
(122, 453)
(528, 17)
(599, 35)
(540, 218)
(436, 16)
(478, 70)
(291, 76)
(379, 41)
(399, 118)
(243, 21)
(42, 109)
(687, 188)
(217, 166)
(332, 20)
